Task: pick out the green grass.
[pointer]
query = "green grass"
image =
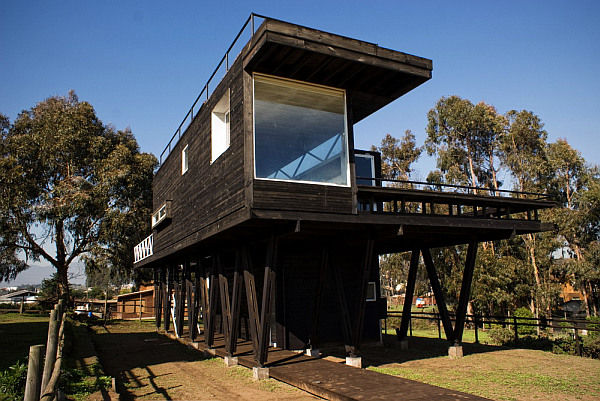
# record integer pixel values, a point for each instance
(507, 374)
(18, 333)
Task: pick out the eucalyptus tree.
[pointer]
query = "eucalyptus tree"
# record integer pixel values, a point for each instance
(576, 185)
(398, 155)
(464, 137)
(71, 185)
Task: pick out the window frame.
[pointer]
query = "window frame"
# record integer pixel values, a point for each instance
(220, 126)
(185, 161)
(345, 136)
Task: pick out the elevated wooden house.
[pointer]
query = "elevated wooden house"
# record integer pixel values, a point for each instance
(268, 222)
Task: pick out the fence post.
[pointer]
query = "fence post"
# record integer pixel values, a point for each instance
(516, 329)
(577, 340)
(438, 325)
(410, 324)
(476, 318)
(34, 373)
(52, 345)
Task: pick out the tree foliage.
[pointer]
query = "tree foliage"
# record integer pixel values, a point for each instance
(474, 145)
(71, 187)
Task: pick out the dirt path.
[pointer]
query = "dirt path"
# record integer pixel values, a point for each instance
(150, 366)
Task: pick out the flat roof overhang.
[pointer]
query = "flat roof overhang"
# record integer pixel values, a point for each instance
(373, 76)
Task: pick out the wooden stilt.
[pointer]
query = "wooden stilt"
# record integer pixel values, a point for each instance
(362, 300)
(314, 337)
(167, 298)
(344, 312)
(408, 296)
(212, 305)
(465, 292)
(268, 296)
(439, 296)
(236, 298)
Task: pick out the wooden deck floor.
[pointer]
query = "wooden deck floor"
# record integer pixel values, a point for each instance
(334, 380)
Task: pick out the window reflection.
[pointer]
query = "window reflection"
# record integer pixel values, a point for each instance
(300, 132)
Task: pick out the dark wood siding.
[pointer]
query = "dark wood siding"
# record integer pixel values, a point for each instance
(206, 192)
(279, 195)
(298, 275)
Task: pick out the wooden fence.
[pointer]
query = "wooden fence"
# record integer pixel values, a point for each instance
(479, 321)
(43, 373)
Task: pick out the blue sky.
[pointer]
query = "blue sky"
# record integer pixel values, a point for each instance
(142, 63)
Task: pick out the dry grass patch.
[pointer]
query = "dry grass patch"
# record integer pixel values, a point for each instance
(507, 374)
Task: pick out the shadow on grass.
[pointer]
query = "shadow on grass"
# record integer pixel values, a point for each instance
(418, 348)
(122, 352)
(16, 338)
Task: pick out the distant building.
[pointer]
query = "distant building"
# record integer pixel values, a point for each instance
(18, 297)
(135, 305)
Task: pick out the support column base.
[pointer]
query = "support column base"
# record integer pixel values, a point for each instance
(455, 351)
(403, 345)
(354, 361)
(210, 353)
(230, 361)
(260, 373)
(312, 352)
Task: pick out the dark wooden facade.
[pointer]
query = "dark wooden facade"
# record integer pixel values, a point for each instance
(294, 262)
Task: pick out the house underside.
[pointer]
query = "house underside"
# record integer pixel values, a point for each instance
(269, 223)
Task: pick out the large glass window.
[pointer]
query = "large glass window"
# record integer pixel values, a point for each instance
(299, 132)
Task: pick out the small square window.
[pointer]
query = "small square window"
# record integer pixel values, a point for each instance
(371, 291)
(184, 160)
(220, 126)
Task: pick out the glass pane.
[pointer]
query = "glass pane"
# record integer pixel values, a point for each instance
(364, 168)
(300, 132)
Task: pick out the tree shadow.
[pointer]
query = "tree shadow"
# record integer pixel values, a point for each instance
(418, 348)
(122, 353)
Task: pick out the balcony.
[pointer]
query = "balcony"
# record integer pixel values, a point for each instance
(144, 249)
(420, 198)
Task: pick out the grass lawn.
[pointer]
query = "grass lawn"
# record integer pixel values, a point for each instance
(499, 373)
(18, 333)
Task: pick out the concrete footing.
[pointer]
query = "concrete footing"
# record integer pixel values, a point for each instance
(403, 345)
(312, 352)
(260, 373)
(354, 361)
(210, 353)
(230, 361)
(455, 351)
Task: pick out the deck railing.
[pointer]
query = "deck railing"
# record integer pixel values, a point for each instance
(144, 249)
(207, 89)
(465, 189)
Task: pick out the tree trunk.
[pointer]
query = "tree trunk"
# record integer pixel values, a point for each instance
(63, 282)
(530, 243)
(61, 262)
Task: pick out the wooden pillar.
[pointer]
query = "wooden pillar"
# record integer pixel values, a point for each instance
(252, 306)
(225, 304)
(204, 298)
(439, 296)
(157, 296)
(344, 311)
(362, 300)
(268, 296)
(167, 297)
(212, 305)
(314, 336)
(192, 314)
(410, 290)
(236, 298)
(465, 292)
